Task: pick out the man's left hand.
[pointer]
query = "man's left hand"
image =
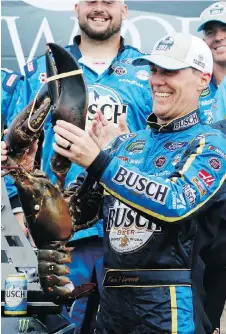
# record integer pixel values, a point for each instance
(74, 144)
(103, 131)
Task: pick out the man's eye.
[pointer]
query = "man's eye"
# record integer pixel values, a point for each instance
(209, 32)
(109, 2)
(153, 70)
(170, 73)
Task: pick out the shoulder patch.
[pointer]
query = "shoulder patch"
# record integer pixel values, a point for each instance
(10, 81)
(31, 67)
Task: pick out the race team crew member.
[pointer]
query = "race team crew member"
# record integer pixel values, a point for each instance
(165, 193)
(213, 99)
(115, 87)
(213, 25)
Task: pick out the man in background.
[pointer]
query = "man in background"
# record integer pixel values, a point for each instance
(213, 25)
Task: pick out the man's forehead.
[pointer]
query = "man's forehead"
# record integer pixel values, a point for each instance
(213, 25)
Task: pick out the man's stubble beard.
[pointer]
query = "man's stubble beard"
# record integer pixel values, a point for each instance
(221, 63)
(107, 34)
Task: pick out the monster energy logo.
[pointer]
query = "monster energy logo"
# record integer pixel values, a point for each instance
(23, 325)
(136, 147)
(205, 92)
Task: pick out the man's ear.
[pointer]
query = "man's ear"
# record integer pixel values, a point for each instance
(204, 81)
(124, 12)
(76, 10)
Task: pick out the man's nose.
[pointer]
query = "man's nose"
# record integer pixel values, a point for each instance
(98, 6)
(220, 35)
(157, 79)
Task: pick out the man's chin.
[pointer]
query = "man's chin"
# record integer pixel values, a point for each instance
(160, 114)
(98, 36)
(220, 59)
(99, 33)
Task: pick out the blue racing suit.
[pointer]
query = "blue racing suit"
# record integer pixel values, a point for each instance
(122, 88)
(219, 105)
(164, 196)
(212, 102)
(212, 109)
(11, 104)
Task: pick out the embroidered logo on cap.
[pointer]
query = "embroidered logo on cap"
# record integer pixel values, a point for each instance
(165, 44)
(217, 9)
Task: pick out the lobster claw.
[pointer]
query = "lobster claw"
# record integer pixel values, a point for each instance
(70, 98)
(26, 127)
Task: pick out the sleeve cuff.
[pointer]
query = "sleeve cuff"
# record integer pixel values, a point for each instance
(98, 166)
(17, 210)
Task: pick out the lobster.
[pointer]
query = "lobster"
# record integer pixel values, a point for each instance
(51, 213)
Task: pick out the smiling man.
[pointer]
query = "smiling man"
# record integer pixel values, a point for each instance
(104, 25)
(164, 197)
(213, 25)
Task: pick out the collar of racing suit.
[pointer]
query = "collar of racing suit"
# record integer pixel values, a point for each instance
(178, 124)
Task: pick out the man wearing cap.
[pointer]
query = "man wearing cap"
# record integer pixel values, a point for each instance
(213, 25)
(162, 188)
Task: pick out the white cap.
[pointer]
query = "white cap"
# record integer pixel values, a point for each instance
(215, 12)
(178, 51)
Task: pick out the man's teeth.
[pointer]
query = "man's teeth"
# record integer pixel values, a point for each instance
(162, 94)
(99, 19)
(221, 47)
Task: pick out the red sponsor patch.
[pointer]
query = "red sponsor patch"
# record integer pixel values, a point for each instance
(42, 77)
(212, 148)
(215, 163)
(206, 178)
(160, 161)
(11, 80)
(123, 158)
